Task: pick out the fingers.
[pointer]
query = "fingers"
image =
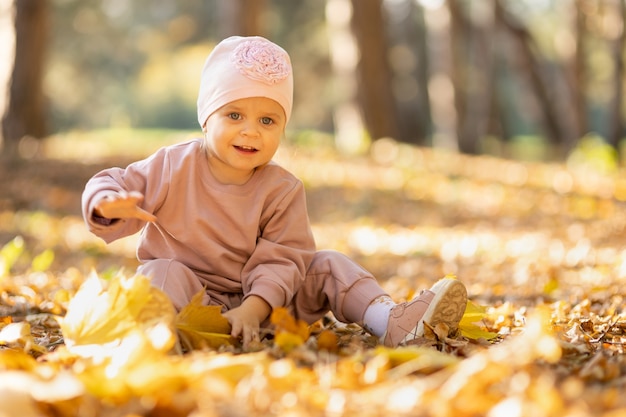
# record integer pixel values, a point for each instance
(137, 198)
(250, 335)
(144, 215)
(245, 321)
(244, 331)
(124, 205)
(236, 330)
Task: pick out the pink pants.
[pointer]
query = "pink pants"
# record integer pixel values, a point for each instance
(333, 283)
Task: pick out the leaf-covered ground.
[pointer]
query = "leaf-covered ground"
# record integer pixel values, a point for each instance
(539, 246)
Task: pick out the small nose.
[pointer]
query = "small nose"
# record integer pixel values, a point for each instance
(250, 129)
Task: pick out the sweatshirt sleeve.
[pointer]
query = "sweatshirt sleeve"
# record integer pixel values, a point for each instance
(284, 251)
(148, 176)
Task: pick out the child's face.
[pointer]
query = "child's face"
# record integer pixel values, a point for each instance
(243, 135)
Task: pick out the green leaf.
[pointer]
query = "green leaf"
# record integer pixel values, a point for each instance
(9, 254)
(43, 261)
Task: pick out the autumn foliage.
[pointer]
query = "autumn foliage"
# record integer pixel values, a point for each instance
(539, 247)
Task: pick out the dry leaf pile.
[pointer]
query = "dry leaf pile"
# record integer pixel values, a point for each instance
(125, 352)
(540, 248)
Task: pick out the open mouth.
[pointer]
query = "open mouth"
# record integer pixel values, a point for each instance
(246, 149)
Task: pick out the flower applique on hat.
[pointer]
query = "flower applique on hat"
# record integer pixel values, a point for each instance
(262, 61)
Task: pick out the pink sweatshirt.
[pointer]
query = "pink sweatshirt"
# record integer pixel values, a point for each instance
(253, 239)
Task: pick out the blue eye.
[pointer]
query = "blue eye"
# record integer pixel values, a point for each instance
(266, 120)
(234, 116)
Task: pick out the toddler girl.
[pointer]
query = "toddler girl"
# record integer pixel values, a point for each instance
(217, 215)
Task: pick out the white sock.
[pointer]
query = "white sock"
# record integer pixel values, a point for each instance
(376, 316)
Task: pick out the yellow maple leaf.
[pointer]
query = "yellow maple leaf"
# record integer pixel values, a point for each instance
(122, 333)
(201, 326)
(134, 368)
(101, 315)
(468, 326)
(409, 359)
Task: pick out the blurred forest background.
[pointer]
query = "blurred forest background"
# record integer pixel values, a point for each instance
(478, 138)
(525, 79)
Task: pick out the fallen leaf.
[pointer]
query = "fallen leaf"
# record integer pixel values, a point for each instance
(285, 322)
(288, 341)
(16, 360)
(99, 316)
(328, 340)
(442, 330)
(133, 368)
(18, 335)
(470, 323)
(42, 262)
(410, 359)
(290, 333)
(200, 326)
(9, 254)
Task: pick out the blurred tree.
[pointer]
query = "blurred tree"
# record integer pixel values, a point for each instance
(241, 17)
(532, 65)
(616, 122)
(579, 86)
(598, 68)
(408, 56)
(344, 57)
(470, 73)
(25, 114)
(454, 73)
(374, 74)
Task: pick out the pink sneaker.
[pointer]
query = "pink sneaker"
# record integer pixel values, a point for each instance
(445, 303)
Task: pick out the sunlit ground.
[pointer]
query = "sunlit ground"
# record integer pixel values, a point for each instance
(540, 247)
(509, 229)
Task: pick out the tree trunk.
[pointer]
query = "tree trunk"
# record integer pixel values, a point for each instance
(374, 73)
(241, 17)
(25, 115)
(532, 67)
(347, 117)
(471, 69)
(616, 124)
(7, 55)
(580, 71)
(409, 64)
(423, 76)
(497, 126)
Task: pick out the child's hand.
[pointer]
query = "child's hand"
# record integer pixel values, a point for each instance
(246, 319)
(123, 206)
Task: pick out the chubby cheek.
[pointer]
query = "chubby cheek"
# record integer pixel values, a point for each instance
(274, 143)
(270, 150)
(215, 138)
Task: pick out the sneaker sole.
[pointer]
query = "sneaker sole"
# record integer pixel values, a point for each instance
(448, 306)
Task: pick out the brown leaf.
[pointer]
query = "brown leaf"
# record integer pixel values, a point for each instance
(327, 340)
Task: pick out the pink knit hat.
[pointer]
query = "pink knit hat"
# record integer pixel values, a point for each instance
(242, 67)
